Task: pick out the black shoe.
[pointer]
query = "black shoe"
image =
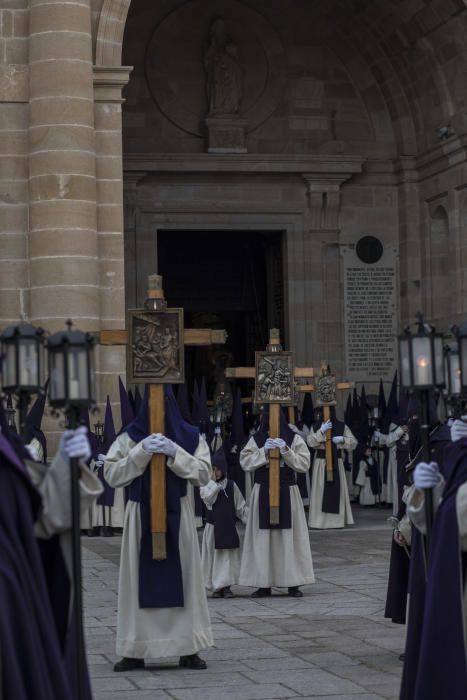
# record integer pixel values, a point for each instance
(219, 593)
(194, 662)
(228, 593)
(127, 664)
(295, 592)
(107, 531)
(261, 593)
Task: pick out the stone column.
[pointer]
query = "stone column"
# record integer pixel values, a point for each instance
(14, 197)
(63, 252)
(322, 261)
(108, 84)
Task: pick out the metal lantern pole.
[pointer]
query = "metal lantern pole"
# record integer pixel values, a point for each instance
(71, 376)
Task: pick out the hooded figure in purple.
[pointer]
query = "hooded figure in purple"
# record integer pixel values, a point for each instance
(36, 621)
(162, 608)
(278, 556)
(436, 652)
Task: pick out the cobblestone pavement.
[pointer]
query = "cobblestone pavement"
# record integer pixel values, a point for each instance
(334, 643)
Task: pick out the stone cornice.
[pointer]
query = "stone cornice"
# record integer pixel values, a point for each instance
(342, 167)
(109, 82)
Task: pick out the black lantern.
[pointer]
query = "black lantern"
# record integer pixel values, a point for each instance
(71, 369)
(23, 359)
(99, 430)
(453, 371)
(461, 335)
(422, 358)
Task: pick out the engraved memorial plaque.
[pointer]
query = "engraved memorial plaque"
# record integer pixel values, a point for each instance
(274, 378)
(156, 347)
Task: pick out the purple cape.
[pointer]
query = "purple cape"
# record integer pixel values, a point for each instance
(32, 663)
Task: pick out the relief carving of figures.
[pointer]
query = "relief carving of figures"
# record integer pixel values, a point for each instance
(274, 380)
(223, 73)
(155, 350)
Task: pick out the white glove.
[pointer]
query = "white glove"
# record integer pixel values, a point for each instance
(426, 476)
(327, 425)
(75, 444)
(281, 444)
(458, 430)
(377, 436)
(270, 444)
(99, 463)
(338, 440)
(33, 451)
(101, 457)
(217, 430)
(159, 444)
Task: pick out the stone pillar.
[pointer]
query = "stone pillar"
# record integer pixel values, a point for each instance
(14, 196)
(323, 278)
(63, 252)
(108, 84)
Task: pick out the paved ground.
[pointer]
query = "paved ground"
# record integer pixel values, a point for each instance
(334, 643)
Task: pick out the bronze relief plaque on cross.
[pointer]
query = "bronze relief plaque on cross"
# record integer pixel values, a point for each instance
(156, 347)
(274, 378)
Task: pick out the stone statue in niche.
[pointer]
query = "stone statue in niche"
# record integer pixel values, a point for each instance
(223, 73)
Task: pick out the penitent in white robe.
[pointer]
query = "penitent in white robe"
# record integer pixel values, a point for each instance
(221, 567)
(390, 441)
(159, 632)
(366, 496)
(280, 558)
(317, 518)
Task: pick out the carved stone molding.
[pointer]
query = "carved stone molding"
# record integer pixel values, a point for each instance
(109, 82)
(324, 199)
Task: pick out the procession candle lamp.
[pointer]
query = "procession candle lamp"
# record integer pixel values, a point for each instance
(71, 374)
(22, 347)
(422, 370)
(453, 371)
(99, 430)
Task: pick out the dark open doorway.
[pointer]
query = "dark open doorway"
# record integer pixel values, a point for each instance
(224, 279)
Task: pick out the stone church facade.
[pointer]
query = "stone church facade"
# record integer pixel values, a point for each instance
(326, 121)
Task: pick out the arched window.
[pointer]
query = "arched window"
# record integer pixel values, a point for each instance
(441, 265)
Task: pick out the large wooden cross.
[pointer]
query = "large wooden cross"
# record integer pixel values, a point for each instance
(326, 388)
(155, 342)
(274, 374)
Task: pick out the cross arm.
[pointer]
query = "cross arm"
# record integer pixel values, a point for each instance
(192, 337)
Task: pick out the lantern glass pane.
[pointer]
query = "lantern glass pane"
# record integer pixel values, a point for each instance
(440, 378)
(404, 352)
(56, 376)
(28, 363)
(423, 369)
(454, 374)
(78, 374)
(10, 379)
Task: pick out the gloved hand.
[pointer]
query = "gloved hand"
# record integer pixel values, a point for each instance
(99, 463)
(338, 440)
(327, 425)
(75, 444)
(377, 436)
(159, 444)
(217, 430)
(270, 444)
(458, 430)
(281, 444)
(426, 476)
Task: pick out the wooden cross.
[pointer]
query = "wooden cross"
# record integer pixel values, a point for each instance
(155, 343)
(326, 397)
(274, 374)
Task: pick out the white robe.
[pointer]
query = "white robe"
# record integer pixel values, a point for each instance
(366, 496)
(317, 518)
(279, 558)
(161, 632)
(221, 567)
(390, 441)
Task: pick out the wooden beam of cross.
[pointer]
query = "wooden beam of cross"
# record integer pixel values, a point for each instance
(326, 388)
(155, 342)
(274, 374)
